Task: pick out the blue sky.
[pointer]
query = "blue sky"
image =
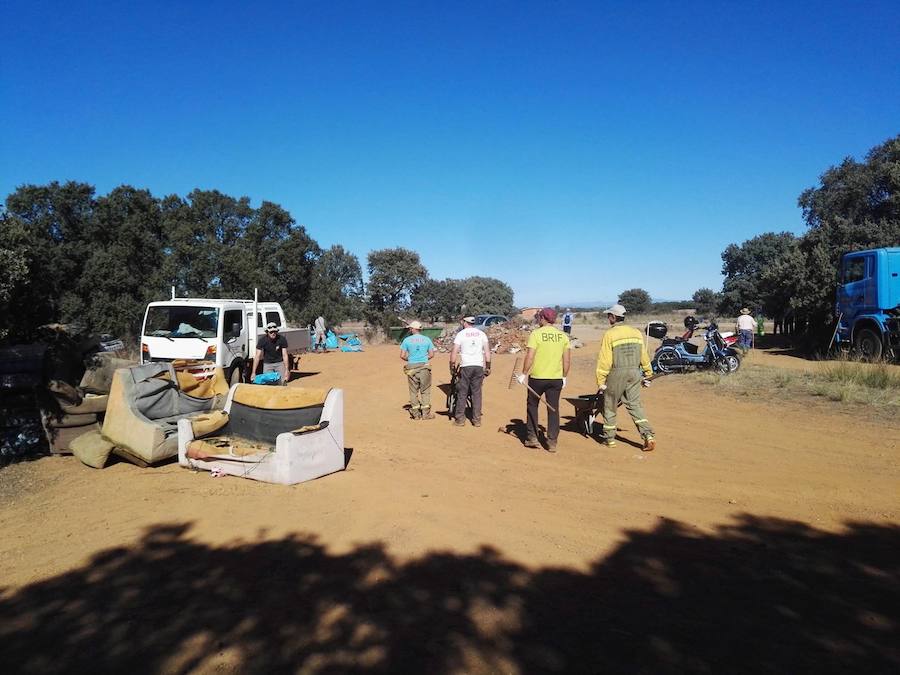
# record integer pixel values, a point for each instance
(571, 149)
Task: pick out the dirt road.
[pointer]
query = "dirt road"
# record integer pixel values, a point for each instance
(447, 549)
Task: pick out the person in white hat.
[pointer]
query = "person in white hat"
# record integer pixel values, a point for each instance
(471, 355)
(273, 351)
(622, 358)
(418, 350)
(745, 326)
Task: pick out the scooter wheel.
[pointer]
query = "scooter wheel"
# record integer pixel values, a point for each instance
(729, 364)
(665, 362)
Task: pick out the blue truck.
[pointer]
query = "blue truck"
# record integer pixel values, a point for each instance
(868, 303)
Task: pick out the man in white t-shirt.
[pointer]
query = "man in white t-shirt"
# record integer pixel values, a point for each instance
(471, 355)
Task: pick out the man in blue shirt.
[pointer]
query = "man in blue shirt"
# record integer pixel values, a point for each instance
(417, 350)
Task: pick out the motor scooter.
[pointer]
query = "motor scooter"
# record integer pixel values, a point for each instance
(678, 355)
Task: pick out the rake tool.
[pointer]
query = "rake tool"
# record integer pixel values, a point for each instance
(512, 380)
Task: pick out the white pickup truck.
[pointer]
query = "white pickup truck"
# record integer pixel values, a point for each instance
(216, 331)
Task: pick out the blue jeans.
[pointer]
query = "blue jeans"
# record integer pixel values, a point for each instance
(745, 339)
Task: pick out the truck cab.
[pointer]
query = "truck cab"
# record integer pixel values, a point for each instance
(868, 302)
(212, 333)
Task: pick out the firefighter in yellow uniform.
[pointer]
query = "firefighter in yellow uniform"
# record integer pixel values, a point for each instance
(623, 365)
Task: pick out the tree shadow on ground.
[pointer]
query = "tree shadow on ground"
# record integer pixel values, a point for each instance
(759, 595)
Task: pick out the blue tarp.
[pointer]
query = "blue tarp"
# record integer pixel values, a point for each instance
(267, 378)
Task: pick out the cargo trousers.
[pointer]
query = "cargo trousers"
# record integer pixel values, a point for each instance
(469, 383)
(623, 385)
(418, 375)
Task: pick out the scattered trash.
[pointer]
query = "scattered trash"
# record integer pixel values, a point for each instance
(217, 472)
(509, 337)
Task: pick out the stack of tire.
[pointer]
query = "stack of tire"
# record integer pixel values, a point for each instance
(21, 433)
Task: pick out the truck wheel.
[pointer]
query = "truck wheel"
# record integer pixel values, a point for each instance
(234, 375)
(868, 344)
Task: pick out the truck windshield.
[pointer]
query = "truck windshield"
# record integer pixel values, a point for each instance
(181, 322)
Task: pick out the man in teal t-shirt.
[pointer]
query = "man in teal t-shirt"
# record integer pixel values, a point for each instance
(417, 350)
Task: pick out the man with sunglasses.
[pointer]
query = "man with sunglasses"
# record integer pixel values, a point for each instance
(272, 349)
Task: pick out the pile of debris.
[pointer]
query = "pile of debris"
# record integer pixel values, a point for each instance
(510, 337)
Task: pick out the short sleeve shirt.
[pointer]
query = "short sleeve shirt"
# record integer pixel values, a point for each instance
(417, 346)
(271, 349)
(549, 345)
(746, 322)
(471, 342)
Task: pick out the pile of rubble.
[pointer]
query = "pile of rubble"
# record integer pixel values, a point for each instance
(505, 338)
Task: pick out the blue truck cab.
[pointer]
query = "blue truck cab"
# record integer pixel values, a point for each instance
(868, 302)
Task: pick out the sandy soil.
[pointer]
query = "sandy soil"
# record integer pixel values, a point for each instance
(761, 534)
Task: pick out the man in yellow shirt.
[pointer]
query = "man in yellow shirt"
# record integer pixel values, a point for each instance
(621, 359)
(547, 362)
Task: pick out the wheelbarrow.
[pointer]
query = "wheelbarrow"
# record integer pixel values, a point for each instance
(587, 408)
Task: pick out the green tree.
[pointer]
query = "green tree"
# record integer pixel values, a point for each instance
(855, 206)
(205, 252)
(336, 287)
(706, 301)
(635, 300)
(760, 274)
(46, 227)
(123, 270)
(438, 300)
(13, 269)
(486, 295)
(394, 274)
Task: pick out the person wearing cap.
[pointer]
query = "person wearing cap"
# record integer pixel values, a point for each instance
(623, 365)
(272, 350)
(418, 350)
(471, 355)
(567, 322)
(746, 324)
(547, 360)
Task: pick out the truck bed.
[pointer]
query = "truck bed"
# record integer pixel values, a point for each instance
(297, 339)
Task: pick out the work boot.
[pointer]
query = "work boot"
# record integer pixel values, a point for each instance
(649, 443)
(532, 442)
(427, 414)
(609, 442)
(551, 445)
(459, 423)
(476, 423)
(415, 414)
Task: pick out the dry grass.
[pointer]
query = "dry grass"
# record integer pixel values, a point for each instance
(874, 386)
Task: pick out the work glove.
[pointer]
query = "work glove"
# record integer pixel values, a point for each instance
(645, 382)
(521, 378)
(564, 383)
(601, 388)
(487, 369)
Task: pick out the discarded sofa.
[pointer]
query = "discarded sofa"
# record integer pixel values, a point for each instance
(145, 404)
(283, 435)
(70, 412)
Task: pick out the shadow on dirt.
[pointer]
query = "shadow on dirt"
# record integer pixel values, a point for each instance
(761, 595)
